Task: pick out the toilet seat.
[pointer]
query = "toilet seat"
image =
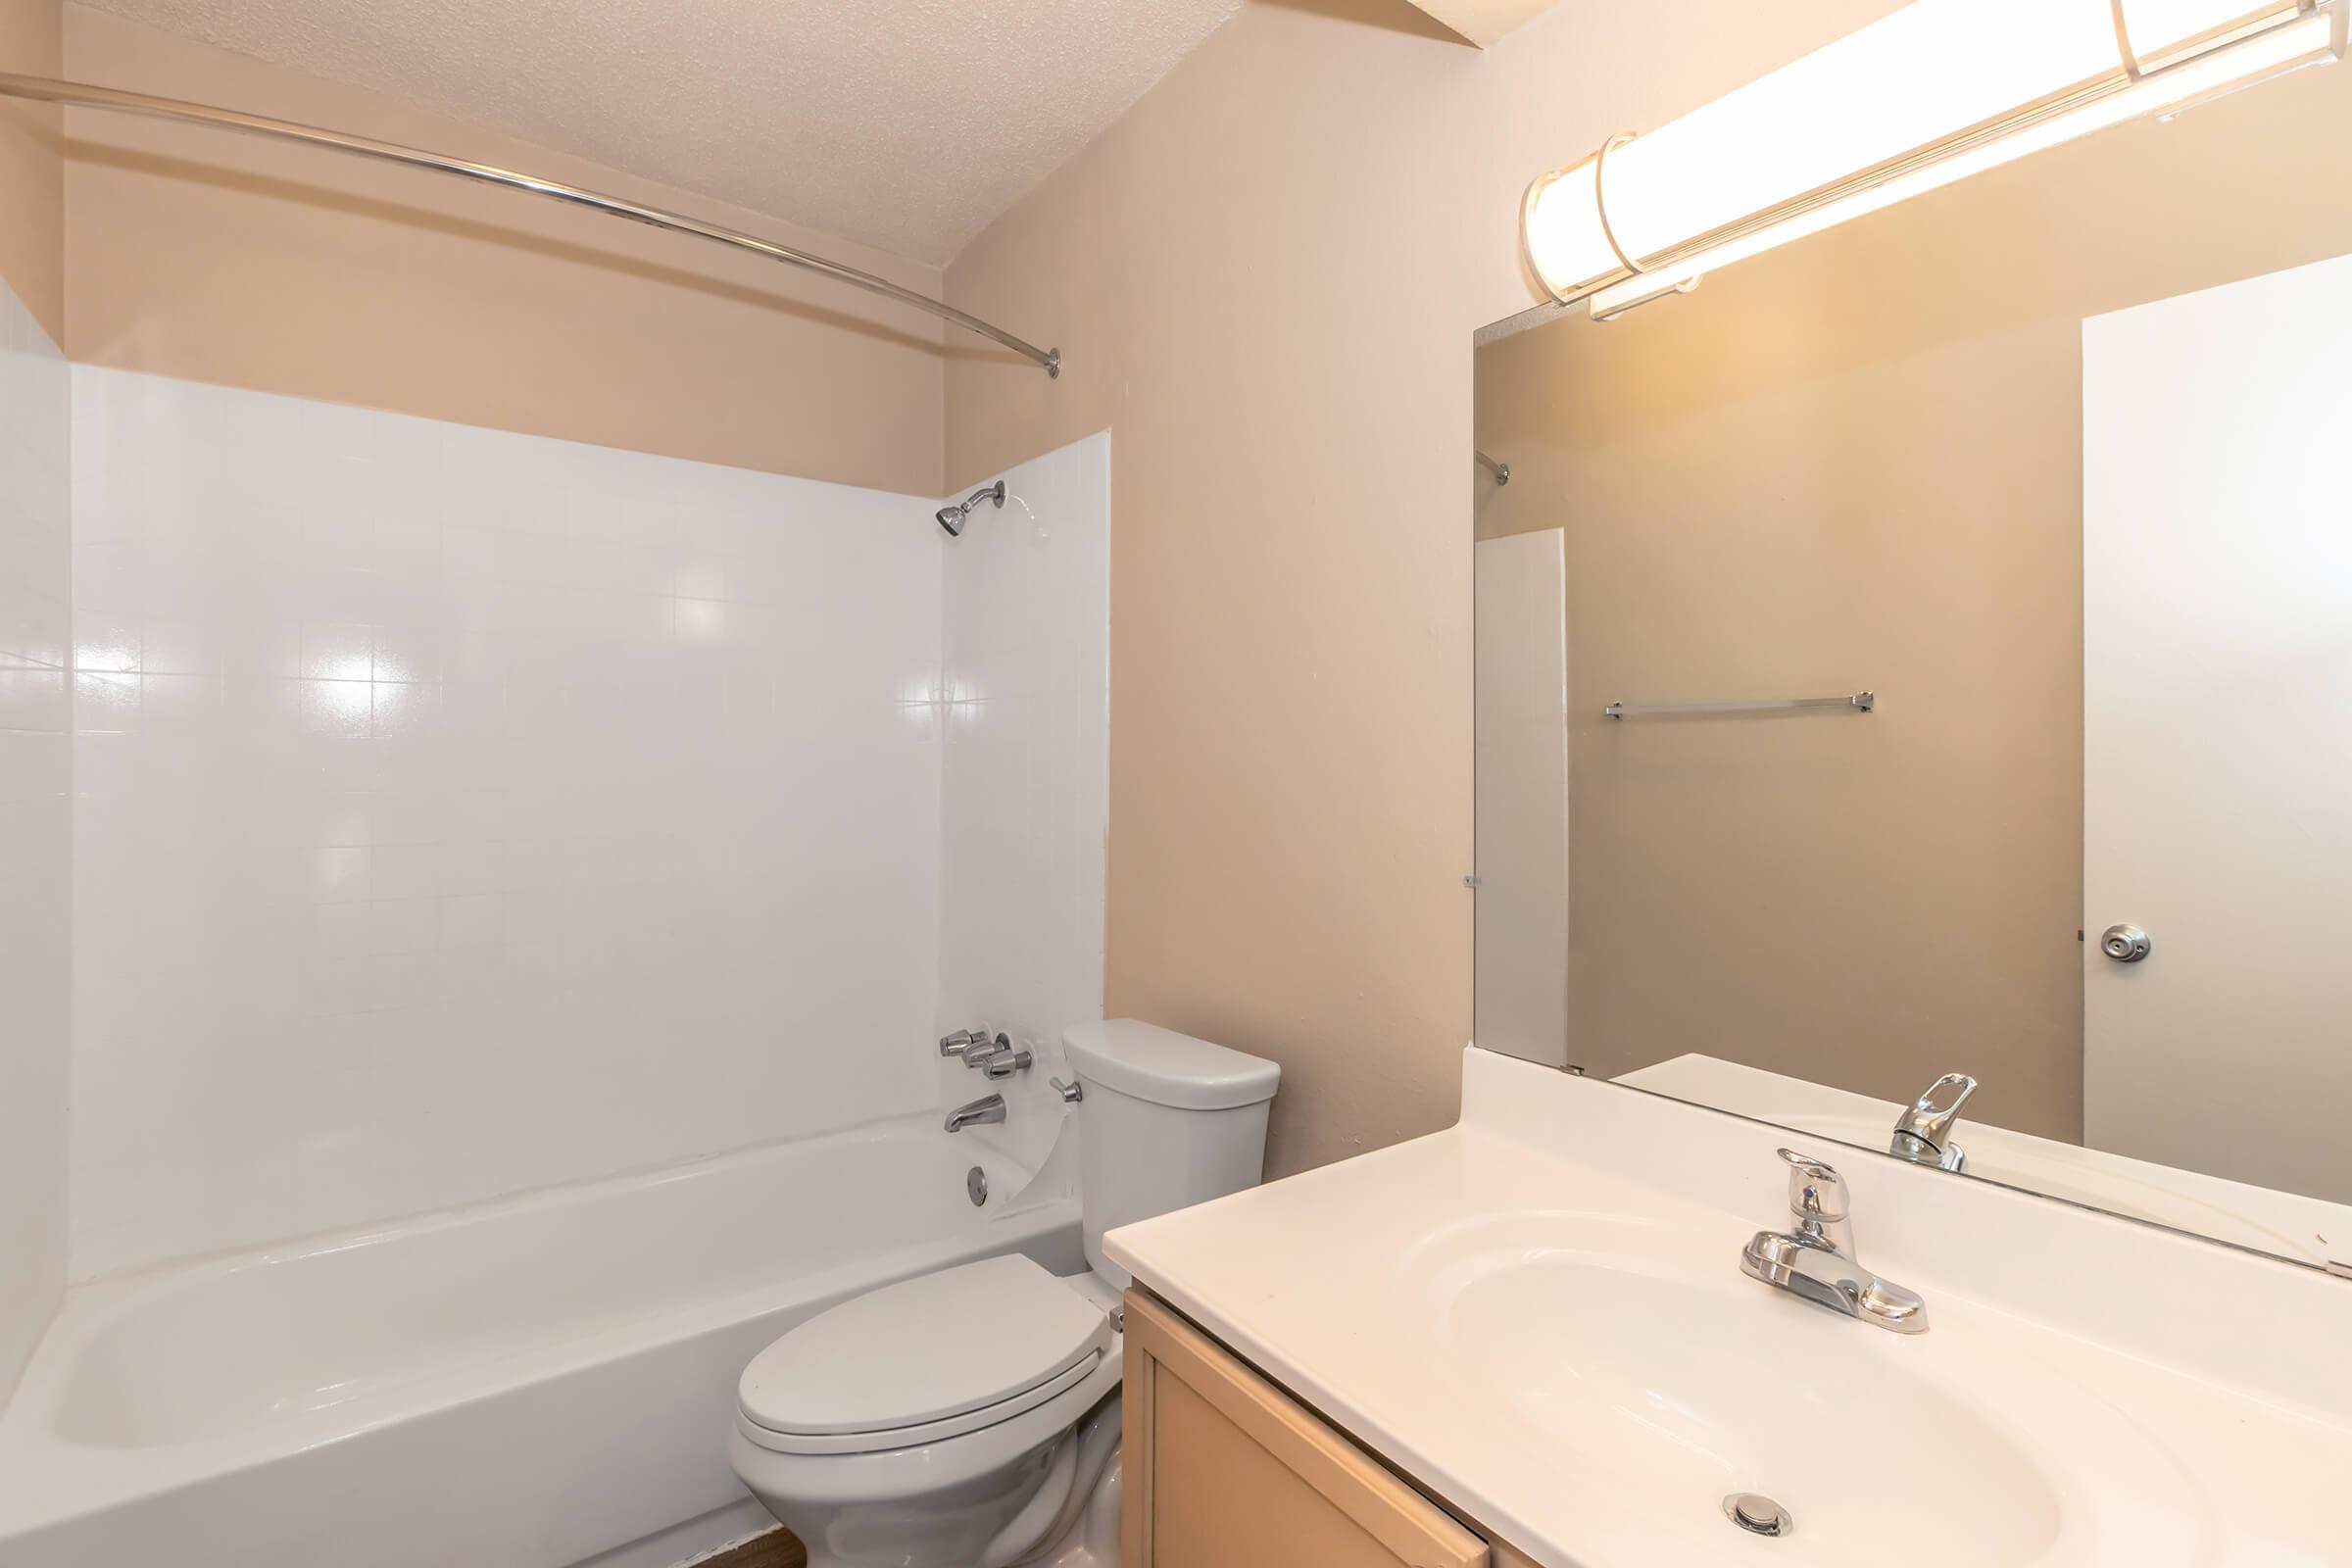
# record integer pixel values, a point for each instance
(936, 1356)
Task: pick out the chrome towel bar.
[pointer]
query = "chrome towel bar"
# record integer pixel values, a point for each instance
(1859, 702)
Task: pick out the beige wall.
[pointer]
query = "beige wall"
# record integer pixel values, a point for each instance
(31, 173)
(221, 259)
(1858, 462)
(1264, 279)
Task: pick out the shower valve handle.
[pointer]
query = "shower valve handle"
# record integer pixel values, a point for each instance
(963, 1040)
(1003, 1063)
(985, 1048)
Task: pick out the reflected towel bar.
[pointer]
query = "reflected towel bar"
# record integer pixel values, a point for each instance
(1859, 702)
(82, 95)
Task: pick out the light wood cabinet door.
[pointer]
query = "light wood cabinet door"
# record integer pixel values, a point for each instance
(1224, 1470)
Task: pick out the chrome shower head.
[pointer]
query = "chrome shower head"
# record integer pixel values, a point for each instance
(953, 519)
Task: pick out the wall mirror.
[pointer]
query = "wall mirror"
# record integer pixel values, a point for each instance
(1915, 678)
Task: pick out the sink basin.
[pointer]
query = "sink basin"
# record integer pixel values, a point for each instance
(1540, 1317)
(1639, 1356)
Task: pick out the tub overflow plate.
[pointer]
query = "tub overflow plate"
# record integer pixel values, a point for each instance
(975, 1186)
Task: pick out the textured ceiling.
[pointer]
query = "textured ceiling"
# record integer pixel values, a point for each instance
(907, 124)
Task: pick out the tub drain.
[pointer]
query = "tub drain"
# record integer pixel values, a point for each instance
(1758, 1514)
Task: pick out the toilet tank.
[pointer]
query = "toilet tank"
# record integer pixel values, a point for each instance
(1166, 1121)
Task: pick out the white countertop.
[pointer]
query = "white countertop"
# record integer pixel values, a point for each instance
(2207, 1409)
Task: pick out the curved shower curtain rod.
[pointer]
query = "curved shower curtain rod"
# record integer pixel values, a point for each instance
(82, 95)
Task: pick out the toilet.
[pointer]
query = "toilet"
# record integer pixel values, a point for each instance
(969, 1418)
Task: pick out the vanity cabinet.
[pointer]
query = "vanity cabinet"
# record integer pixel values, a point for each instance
(1224, 1470)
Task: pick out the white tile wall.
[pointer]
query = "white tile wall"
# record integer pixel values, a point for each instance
(1025, 650)
(35, 799)
(459, 811)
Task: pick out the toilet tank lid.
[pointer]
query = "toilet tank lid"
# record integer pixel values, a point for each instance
(1166, 1068)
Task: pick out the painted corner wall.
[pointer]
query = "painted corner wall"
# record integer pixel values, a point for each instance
(1265, 277)
(35, 741)
(313, 275)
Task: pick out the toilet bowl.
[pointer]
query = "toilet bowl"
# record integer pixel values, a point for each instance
(969, 1417)
(942, 1422)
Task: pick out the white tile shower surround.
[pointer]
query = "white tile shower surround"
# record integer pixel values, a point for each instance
(1025, 655)
(459, 812)
(35, 799)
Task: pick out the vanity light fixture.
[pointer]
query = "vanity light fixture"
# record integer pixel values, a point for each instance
(1938, 91)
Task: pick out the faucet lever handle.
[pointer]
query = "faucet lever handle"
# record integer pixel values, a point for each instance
(961, 1040)
(985, 1048)
(1932, 1115)
(1005, 1062)
(1816, 1192)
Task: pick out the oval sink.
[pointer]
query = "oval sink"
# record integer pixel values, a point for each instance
(1669, 1386)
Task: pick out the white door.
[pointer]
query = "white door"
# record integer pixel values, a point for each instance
(2216, 569)
(1522, 659)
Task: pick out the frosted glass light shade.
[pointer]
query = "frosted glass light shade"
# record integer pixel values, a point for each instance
(1935, 71)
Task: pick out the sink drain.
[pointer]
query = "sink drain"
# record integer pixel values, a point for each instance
(1758, 1514)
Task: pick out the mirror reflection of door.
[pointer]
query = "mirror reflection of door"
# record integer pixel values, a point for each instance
(2218, 729)
(1522, 672)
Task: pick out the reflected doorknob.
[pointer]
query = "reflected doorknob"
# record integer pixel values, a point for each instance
(2125, 943)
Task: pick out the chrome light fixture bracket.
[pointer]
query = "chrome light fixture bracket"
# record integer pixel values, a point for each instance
(1536, 188)
(1631, 264)
(1601, 199)
(2133, 66)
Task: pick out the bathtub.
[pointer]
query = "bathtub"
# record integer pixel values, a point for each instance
(546, 1380)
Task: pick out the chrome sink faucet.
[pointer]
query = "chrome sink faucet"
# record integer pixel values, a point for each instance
(1924, 1132)
(1816, 1261)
